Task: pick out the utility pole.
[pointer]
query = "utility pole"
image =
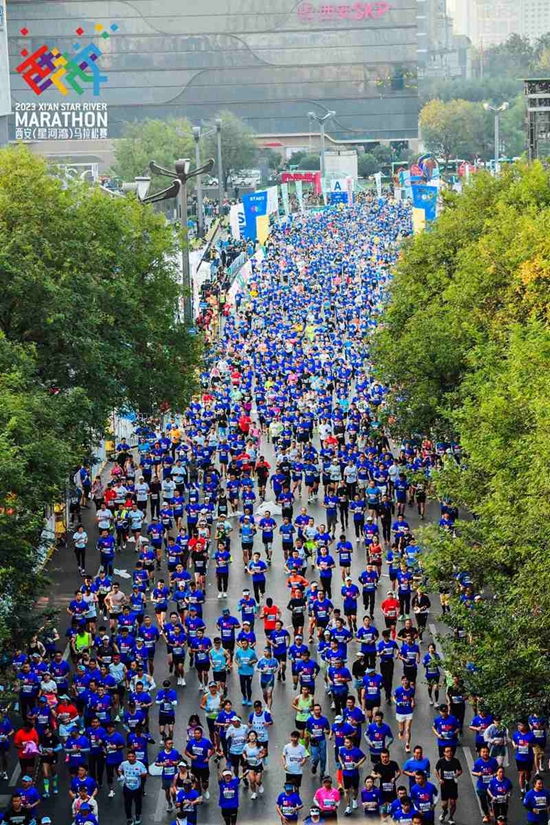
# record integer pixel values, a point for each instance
(321, 121)
(220, 166)
(498, 111)
(200, 212)
(178, 189)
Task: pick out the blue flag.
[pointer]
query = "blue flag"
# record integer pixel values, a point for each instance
(425, 197)
(255, 206)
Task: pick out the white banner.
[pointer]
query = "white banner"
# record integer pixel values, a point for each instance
(237, 221)
(272, 200)
(378, 179)
(299, 194)
(324, 190)
(349, 186)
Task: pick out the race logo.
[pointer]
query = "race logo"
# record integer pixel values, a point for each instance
(48, 68)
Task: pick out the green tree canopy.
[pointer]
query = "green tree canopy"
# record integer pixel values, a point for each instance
(466, 346)
(105, 289)
(89, 323)
(163, 141)
(456, 129)
(367, 165)
(310, 162)
(239, 150)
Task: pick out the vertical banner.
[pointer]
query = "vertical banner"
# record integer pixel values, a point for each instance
(378, 181)
(284, 195)
(262, 228)
(272, 201)
(349, 187)
(300, 194)
(419, 220)
(317, 183)
(405, 181)
(324, 188)
(425, 197)
(237, 221)
(255, 206)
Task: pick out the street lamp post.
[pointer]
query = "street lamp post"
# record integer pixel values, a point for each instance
(497, 110)
(321, 121)
(200, 213)
(178, 189)
(220, 166)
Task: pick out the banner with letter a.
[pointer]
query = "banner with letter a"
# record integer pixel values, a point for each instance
(339, 191)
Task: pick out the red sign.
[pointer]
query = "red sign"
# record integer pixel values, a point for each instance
(308, 13)
(308, 177)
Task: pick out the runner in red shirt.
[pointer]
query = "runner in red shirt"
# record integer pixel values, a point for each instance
(390, 609)
(270, 613)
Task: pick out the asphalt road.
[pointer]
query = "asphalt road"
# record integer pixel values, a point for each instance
(65, 580)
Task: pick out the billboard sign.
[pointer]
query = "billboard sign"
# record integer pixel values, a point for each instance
(60, 81)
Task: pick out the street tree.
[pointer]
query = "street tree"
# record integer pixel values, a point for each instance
(239, 149)
(465, 345)
(161, 140)
(455, 129)
(105, 290)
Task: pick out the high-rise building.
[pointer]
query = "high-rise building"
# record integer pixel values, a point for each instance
(442, 51)
(462, 13)
(489, 22)
(495, 21)
(268, 61)
(534, 18)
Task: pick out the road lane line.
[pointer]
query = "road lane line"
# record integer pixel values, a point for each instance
(160, 807)
(15, 776)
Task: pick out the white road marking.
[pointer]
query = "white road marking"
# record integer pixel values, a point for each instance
(15, 776)
(160, 808)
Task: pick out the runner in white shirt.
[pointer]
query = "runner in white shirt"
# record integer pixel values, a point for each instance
(142, 494)
(131, 773)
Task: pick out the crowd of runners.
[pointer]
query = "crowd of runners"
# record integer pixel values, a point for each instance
(287, 422)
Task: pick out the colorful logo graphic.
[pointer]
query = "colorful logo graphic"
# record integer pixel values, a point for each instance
(46, 68)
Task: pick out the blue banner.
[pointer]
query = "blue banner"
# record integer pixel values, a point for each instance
(255, 206)
(425, 197)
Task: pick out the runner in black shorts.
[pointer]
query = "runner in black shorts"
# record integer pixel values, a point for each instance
(448, 770)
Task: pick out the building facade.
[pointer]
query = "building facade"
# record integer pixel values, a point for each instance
(268, 61)
(442, 51)
(490, 22)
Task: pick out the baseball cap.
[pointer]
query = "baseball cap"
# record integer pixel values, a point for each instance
(339, 718)
(46, 820)
(26, 778)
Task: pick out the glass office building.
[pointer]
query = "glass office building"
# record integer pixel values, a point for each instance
(268, 61)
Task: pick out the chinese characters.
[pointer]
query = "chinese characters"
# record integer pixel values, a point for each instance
(309, 13)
